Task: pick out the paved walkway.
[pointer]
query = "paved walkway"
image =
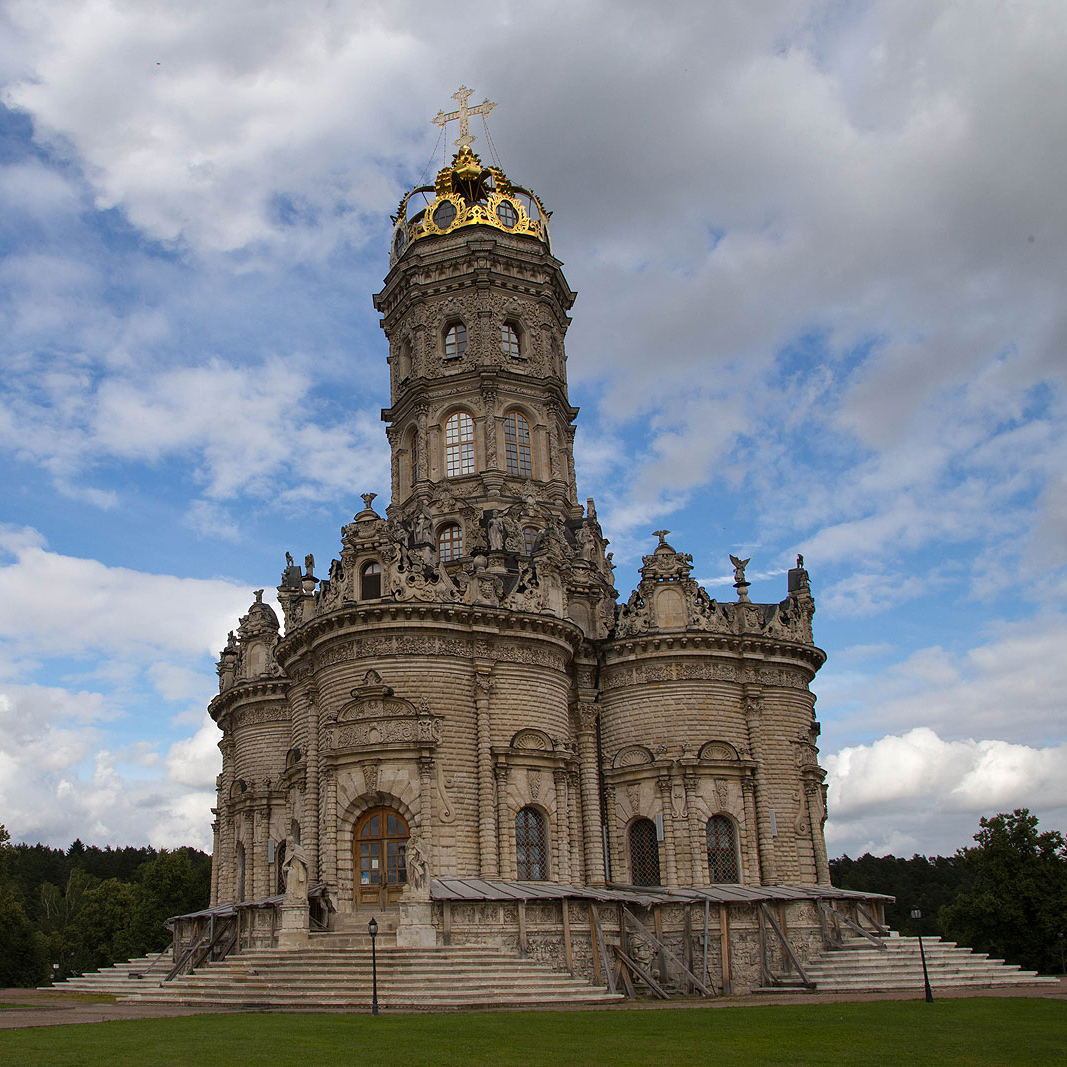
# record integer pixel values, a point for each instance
(35, 1007)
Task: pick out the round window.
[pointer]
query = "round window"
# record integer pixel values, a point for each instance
(398, 241)
(505, 211)
(444, 214)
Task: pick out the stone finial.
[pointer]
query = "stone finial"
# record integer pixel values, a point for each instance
(740, 584)
(368, 499)
(259, 596)
(662, 535)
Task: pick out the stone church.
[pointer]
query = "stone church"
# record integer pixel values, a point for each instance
(461, 711)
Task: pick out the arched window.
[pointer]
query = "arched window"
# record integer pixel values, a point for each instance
(530, 535)
(370, 581)
(517, 445)
(450, 542)
(531, 846)
(722, 850)
(509, 341)
(279, 867)
(459, 445)
(403, 361)
(644, 853)
(455, 340)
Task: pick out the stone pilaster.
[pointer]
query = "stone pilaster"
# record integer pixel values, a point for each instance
(488, 847)
(817, 818)
(592, 831)
(753, 704)
(562, 827)
(664, 783)
(698, 863)
(505, 824)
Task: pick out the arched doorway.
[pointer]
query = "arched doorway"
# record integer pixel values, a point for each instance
(379, 858)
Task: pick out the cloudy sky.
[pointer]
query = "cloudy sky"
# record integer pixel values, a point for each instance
(820, 251)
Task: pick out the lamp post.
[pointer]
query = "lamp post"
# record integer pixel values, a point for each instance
(372, 927)
(917, 915)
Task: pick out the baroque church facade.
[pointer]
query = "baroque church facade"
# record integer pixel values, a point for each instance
(463, 699)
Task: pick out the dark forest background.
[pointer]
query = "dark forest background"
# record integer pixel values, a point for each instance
(64, 913)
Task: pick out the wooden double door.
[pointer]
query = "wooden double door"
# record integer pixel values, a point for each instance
(379, 859)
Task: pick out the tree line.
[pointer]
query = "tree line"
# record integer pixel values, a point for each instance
(1005, 895)
(67, 912)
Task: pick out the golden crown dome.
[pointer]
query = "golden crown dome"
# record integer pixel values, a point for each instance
(467, 193)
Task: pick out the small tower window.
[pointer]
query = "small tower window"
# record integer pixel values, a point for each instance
(370, 581)
(505, 211)
(455, 340)
(450, 542)
(509, 341)
(531, 845)
(517, 445)
(459, 445)
(444, 214)
(722, 850)
(644, 853)
(529, 539)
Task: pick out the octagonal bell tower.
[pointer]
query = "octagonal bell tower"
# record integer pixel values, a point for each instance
(475, 310)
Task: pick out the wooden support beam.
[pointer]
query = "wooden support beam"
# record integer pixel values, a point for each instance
(872, 919)
(594, 942)
(568, 952)
(641, 973)
(724, 948)
(600, 944)
(446, 921)
(707, 915)
(657, 944)
(766, 978)
(622, 975)
(793, 958)
(661, 959)
(687, 934)
(838, 918)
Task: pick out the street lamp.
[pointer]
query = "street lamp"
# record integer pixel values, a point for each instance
(372, 927)
(917, 916)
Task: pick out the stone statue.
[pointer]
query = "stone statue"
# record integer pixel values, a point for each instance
(498, 533)
(288, 559)
(296, 873)
(416, 867)
(309, 566)
(423, 528)
(368, 499)
(739, 568)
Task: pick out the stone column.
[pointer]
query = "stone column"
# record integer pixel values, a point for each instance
(698, 865)
(559, 778)
(817, 816)
(215, 871)
(614, 833)
(256, 863)
(488, 848)
(669, 856)
(575, 836)
(311, 811)
(748, 788)
(329, 827)
(426, 768)
(592, 829)
(752, 697)
(505, 824)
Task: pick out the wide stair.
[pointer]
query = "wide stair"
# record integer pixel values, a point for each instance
(120, 979)
(861, 967)
(336, 976)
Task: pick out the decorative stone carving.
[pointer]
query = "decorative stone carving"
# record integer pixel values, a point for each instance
(632, 756)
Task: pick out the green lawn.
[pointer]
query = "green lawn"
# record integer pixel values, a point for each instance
(980, 1031)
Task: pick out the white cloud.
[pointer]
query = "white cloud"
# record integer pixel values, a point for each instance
(63, 606)
(898, 791)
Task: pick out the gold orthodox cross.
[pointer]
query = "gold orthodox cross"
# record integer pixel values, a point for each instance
(463, 115)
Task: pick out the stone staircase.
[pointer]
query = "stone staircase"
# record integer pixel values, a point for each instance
(861, 967)
(118, 979)
(334, 974)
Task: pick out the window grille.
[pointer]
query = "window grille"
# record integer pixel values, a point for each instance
(455, 340)
(517, 445)
(722, 850)
(644, 853)
(450, 542)
(531, 845)
(459, 445)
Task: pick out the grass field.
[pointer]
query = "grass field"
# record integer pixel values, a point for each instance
(982, 1031)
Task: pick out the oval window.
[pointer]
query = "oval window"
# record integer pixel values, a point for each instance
(444, 214)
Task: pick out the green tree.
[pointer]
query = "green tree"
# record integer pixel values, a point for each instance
(1016, 906)
(22, 949)
(171, 884)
